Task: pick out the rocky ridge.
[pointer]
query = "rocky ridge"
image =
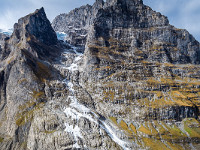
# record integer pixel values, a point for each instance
(139, 70)
(77, 23)
(136, 86)
(25, 71)
(39, 109)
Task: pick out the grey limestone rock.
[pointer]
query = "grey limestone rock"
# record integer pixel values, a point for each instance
(23, 76)
(136, 86)
(77, 22)
(35, 25)
(3, 37)
(34, 96)
(131, 54)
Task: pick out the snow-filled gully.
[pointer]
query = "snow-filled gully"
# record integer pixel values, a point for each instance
(76, 110)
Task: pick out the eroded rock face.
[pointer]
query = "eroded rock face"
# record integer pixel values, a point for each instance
(77, 23)
(35, 26)
(132, 23)
(139, 27)
(38, 108)
(136, 86)
(2, 39)
(139, 66)
(136, 69)
(24, 76)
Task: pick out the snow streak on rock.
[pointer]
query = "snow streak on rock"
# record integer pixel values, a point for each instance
(76, 110)
(108, 128)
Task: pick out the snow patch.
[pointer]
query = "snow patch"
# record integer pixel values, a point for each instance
(75, 130)
(61, 35)
(73, 67)
(113, 136)
(75, 110)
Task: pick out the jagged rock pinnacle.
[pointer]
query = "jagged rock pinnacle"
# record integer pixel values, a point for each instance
(98, 3)
(37, 26)
(127, 2)
(124, 78)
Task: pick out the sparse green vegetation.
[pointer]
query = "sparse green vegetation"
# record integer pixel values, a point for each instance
(114, 120)
(23, 80)
(192, 127)
(24, 117)
(43, 72)
(1, 139)
(49, 132)
(27, 112)
(37, 95)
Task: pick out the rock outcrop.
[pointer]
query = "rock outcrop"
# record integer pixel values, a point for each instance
(137, 69)
(24, 76)
(2, 38)
(136, 86)
(77, 23)
(35, 26)
(38, 108)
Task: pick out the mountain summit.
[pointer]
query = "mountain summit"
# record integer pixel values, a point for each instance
(122, 78)
(37, 26)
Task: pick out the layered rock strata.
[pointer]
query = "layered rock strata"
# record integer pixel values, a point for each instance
(139, 70)
(39, 102)
(136, 86)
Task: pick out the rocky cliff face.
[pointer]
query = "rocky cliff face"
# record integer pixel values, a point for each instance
(24, 76)
(137, 69)
(136, 86)
(38, 88)
(139, 66)
(2, 38)
(35, 25)
(77, 23)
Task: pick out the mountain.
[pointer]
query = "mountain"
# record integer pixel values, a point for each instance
(4, 34)
(114, 75)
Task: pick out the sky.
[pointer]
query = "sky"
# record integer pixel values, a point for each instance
(184, 14)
